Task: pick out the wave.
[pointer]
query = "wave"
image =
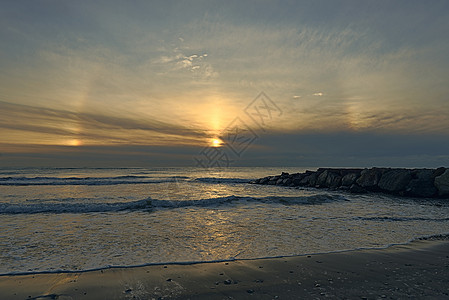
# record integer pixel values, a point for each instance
(22, 181)
(155, 204)
(128, 179)
(60, 208)
(221, 180)
(402, 219)
(431, 237)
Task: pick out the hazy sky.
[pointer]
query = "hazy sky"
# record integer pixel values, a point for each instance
(154, 83)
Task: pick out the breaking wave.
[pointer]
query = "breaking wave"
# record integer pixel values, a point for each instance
(20, 181)
(153, 204)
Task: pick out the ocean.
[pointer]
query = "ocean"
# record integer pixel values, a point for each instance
(64, 220)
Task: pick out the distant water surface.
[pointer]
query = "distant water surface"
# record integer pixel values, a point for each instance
(80, 219)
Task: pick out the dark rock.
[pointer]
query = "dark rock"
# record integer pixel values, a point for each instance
(304, 181)
(296, 181)
(422, 184)
(424, 174)
(403, 182)
(420, 188)
(321, 179)
(439, 171)
(357, 189)
(394, 181)
(287, 181)
(333, 180)
(369, 178)
(264, 180)
(312, 179)
(442, 184)
(349, 179)
(296, 178)
(344, 172)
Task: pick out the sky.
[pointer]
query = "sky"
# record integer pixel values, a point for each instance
(224, 83)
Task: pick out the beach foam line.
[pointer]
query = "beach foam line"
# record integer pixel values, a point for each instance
(222, 180)
(129, 179)
(401, 219)
(411, 242)
(153, 204)
(418, 270)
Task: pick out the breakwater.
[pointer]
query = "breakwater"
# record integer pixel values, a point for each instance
(421, 183)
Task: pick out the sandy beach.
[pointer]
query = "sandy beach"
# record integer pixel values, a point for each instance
(416, 270)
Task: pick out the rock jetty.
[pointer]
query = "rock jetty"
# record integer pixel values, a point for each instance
(421, 183)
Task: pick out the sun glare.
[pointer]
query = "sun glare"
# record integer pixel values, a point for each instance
(216, 143)
(74, 142)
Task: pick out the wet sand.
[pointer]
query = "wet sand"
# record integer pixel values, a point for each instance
(417, 270)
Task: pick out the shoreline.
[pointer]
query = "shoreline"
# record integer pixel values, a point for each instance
(439, 237)
(419, 268)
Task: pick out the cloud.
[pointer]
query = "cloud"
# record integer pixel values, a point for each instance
(185, 63)
(164, 72)
(95, 127)
(176, 58)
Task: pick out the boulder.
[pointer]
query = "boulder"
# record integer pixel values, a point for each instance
(439, 171)
(425, 174)
(321, 179)
(349, 179)
(272, 182)
(369, 178)
(264, 180)
(280, 181)
(421, 184)
(344, 172)
(442, 184)
(356, 189)
(420, 188)
(296, 181)
(394, 181)
(304, 181)
(287, 181)
(312, 179)
(333, 180)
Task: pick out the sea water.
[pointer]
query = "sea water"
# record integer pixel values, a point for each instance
(54, 220)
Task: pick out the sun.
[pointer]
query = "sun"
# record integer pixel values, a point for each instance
(74, 142)
(216, 142)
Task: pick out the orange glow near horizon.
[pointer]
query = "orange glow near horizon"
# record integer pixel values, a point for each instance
(74, 142)
(216, 142)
